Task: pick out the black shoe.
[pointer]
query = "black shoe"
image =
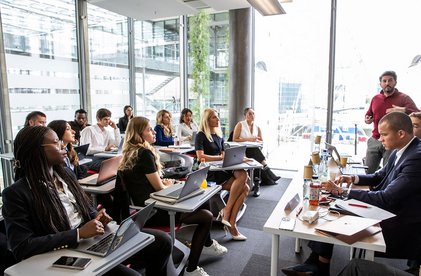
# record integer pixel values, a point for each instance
(256, 190)
(301, 270)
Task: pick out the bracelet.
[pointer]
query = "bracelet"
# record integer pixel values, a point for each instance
(352, 178)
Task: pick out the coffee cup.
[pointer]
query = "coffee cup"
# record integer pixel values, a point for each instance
(344, 161)
(315, 158)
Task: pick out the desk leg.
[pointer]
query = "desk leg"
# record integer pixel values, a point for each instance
(172, 225)
(251, 179)
(369, 255)
(94, 200)
(274, 256)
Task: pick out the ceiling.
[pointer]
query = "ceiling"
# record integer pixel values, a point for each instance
(158, 9)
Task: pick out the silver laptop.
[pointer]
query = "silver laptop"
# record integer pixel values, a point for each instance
(180, 192)
(193, 138)
(232, 156)
(115, 236)
(107, 172)
(118, 150)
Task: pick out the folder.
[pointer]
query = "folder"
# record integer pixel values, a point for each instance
(353, 206)
(350, 229)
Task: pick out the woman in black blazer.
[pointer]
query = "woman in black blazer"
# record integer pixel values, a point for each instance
(46, 209)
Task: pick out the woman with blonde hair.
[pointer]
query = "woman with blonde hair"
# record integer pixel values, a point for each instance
(140, 171)
(210, 146)
(164, 129)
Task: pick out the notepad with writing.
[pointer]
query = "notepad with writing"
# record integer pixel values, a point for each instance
(350, 229)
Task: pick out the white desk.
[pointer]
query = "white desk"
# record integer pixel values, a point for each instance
(106, 154)
(186, 206)
(101, 189)
(41, 264)
(249, 165)
(303, 230)
(247, 144)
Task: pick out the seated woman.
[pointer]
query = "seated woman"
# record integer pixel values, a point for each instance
(187, 126)
(123, 121)
(164, 129)
(140, 172)
(210, 146)
(67, 135)
(248, 131)
(46, 208)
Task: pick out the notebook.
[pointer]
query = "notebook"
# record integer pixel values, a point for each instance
(107, 172)
(180, 192)
(115, 236)
(362, 209)
(232, 156)
(350, 229)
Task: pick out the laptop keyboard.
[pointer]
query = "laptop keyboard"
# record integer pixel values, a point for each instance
(102, 245)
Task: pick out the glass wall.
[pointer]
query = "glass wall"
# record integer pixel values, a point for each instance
(218, 59)
(108, 54)
(41, 58)
(292, 66)
(157, 55)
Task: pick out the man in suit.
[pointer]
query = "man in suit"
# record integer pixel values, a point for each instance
(396, 188)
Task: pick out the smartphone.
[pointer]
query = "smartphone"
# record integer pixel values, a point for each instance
(72, 262)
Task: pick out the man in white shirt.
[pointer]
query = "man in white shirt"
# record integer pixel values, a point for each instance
(99, 136)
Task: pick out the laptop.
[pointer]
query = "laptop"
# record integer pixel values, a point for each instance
(81, 154)
(180, 192)
(114, 235)
(193, 138)
(107, 172)
(232, 156)
(118, 150)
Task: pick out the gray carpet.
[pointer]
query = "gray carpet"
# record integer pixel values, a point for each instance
(252, 257)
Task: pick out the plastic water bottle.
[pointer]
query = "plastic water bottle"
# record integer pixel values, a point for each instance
(202, 165)
(323, 173)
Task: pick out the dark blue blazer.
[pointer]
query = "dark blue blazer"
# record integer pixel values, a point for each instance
(26, 234)
(161, 139)
(397, 188)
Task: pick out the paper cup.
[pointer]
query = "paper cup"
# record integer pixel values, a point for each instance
(308, 172)
(315, 158)
(317, 139)
(344, 161)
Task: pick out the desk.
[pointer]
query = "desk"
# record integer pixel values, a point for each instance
(180, 152)
(41, 264)
(186, 206)
(251, 165)
(7, 166)
(106, 154)
(303, 230)
(247, 144)
(101, 189)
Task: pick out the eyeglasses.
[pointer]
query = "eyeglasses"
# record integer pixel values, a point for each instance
(59, 144)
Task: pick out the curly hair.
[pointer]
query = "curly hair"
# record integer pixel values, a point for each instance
(133, 142)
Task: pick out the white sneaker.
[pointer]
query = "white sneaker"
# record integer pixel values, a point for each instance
(215, 249)
(197, 272)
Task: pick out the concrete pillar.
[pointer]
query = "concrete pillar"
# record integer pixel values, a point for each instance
(240, 64)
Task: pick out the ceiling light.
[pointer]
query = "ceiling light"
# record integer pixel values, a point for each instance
(267, 7)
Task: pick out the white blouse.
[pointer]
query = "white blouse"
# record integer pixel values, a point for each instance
(184, 132)
(245, 130)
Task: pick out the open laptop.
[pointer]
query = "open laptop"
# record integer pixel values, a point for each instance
(232, 156)
(118, 150)
(115, 236)
(107, 172)
(193, 138)
(81, 154)
(180, 192)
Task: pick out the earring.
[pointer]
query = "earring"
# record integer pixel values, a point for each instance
(16, 164)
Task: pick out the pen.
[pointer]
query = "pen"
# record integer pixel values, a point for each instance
(357, 205)
(299, 211)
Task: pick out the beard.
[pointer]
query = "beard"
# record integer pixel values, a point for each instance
(388, 89)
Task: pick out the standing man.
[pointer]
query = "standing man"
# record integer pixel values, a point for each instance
(388, 100)
(36, 118)
(79, 123)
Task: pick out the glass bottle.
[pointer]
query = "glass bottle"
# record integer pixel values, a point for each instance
(314, 191)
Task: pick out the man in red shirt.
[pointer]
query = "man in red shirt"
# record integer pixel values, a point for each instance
(388, 100)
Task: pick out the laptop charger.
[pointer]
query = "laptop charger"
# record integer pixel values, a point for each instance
(310, 216)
